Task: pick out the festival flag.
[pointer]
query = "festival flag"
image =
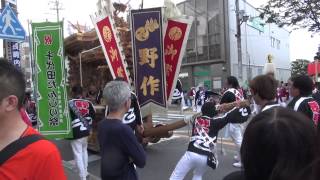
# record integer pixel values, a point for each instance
(13, 53)
(110, 44)
(175, 41)
(52, 101)
(147, 43)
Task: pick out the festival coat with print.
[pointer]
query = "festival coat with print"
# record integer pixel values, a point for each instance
(231, 95)
(308, 107)
(212, 126)
(87, 111)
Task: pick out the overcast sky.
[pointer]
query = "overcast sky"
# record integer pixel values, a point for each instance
(302, 46)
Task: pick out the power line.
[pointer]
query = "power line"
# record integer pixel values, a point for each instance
(57, 6)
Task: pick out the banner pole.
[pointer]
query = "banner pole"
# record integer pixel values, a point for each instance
(33, 69)
(316, 63)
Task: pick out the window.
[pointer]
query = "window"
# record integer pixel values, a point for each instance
(273, 41)
(259, 70)
(205, 37)
(278, 44)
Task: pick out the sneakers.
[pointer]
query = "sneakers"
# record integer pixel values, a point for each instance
(236, 158)
(237, 165)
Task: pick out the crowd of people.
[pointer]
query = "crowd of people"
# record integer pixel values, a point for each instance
(277, 136)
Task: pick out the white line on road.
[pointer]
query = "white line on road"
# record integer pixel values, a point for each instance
(71, 167)
(91, 158)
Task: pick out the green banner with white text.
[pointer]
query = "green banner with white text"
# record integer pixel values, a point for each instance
(52, 101)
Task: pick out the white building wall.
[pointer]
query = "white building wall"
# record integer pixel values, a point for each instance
(256, 45)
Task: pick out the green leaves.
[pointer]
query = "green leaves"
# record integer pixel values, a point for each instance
(294, 13)
(299, 67)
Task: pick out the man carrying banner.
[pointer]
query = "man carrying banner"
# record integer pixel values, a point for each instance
(24, 153)
(82, 113)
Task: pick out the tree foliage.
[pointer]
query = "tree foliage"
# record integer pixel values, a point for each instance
(299, 67)
(295, 13)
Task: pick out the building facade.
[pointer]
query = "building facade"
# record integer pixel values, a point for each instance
(26, 62)
(212, 52)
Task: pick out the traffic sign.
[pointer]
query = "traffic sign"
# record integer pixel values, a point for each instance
(12, 2)
(10, 27)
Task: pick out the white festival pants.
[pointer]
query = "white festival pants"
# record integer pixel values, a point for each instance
(235, 132)
(79, 148)
(189, 161)
(199, 108)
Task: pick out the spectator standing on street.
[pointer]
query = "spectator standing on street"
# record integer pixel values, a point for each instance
(263, 89)
(82, 113)
(199, 149)
(199, 98)
(30, 108)
(278, 144)
(120, 150)
(25, 117)
(40, 159)
(301, 91)
(234, 131)
(192, 94)
(316, 92)
(133, 117)
(177, 93)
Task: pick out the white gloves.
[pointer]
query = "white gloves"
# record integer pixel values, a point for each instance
(187, 118)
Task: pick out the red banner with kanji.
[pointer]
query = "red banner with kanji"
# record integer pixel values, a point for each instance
(175, 41)
(312, 70)
(110, 45)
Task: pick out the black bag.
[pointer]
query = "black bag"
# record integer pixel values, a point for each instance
(212, 160)
(18, 145)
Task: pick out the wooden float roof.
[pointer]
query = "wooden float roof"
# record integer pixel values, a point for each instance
(78, 42)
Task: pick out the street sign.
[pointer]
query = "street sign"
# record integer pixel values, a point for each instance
(12, 2)
(10, 27)
(257, 23)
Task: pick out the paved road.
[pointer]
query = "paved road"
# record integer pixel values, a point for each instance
(161, 157)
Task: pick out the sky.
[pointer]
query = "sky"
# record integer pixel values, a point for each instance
(302, 45)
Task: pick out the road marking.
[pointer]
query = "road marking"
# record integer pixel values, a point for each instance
(71, 166)
(91, 158)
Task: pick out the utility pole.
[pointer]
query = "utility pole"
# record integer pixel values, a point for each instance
(238, 36)
(57, 6)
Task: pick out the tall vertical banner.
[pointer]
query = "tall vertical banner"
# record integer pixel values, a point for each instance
(52, 102)
(111, 46)
(13, 53)
(147, 44)
(175, 42)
